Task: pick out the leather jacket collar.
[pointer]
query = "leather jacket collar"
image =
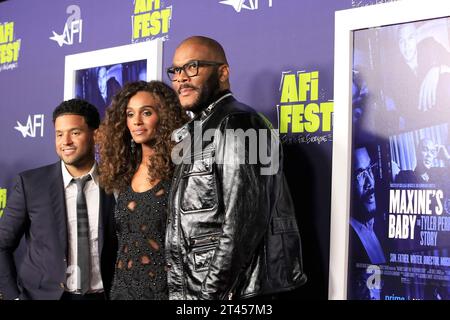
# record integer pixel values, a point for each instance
(179, 134)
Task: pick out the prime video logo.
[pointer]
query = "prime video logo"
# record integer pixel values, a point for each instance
(238, 5)
(250, 147)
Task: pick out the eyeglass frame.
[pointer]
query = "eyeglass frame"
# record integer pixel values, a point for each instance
(366, 172)
(177, 70)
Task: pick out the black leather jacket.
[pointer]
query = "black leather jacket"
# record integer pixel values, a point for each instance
(231, 231)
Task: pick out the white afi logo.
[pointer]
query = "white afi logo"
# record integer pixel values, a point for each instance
(73, 25)
(30, 129)
(238, 5)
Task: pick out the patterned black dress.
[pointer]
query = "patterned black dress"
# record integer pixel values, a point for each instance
(140, 272)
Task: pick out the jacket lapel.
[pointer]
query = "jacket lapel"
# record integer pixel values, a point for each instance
(105, 219)
(59, 204)
(103, 206)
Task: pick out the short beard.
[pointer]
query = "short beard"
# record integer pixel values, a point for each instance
(371, 209)
(79, 162)
(209, 92)
(362, 211)
(83, 160)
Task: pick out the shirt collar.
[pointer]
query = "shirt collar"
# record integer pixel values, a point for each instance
(180, 133)
(67, 177)
(361, 226)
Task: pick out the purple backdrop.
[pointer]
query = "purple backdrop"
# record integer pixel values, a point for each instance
(263, 39)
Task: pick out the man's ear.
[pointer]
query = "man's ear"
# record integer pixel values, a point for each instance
(95, 134)
(224, 73)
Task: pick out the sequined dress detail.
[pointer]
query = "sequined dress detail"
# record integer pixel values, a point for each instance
(140, 272)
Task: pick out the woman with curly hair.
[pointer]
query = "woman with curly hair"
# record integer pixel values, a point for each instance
(134, 151)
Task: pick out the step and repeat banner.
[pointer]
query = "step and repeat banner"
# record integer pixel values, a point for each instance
(281, 60)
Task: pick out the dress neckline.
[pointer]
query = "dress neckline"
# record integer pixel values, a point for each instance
(146, 191)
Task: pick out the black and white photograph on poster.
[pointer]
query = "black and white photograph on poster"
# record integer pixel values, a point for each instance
(97, 75)
(390, 216)
(401, 76)
(420, 53)
(366, 231)
(399, 233)
(99, 84)
(418, 226)
(421, 157)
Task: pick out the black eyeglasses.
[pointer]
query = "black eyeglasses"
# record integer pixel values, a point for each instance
(362, 174)
(190, 68)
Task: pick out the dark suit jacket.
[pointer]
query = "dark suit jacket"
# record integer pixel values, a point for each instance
(36, 208)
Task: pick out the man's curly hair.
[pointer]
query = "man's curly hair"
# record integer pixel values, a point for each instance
(117, 163)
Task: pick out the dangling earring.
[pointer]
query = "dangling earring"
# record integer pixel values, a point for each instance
(96, 152)
(133, 147)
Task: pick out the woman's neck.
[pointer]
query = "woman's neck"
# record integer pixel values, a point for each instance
(147, 152)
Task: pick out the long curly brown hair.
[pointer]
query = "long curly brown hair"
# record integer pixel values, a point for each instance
(117, 161)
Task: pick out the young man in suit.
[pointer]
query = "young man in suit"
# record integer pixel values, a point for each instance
(66, 218)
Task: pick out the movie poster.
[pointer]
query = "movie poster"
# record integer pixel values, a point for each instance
(399, 233)
(98, 85)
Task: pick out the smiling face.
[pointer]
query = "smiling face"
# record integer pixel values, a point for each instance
(198, 91)
(408, 43)
(101, 79)
(427, 152)
(74, 142)
(142, 118)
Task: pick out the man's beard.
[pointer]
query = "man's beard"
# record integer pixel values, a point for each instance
(80, 161)
(208, 93)
(364, 210)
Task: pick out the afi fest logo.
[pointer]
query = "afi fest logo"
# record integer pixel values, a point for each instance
(73, 26)
(9, 47)
(30, 129)
(238, 5)
(2, 201)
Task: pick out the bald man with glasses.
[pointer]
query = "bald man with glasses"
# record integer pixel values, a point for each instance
(232, 231)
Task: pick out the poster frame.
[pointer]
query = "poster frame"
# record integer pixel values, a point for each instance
(346, 23)
(151, 51)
